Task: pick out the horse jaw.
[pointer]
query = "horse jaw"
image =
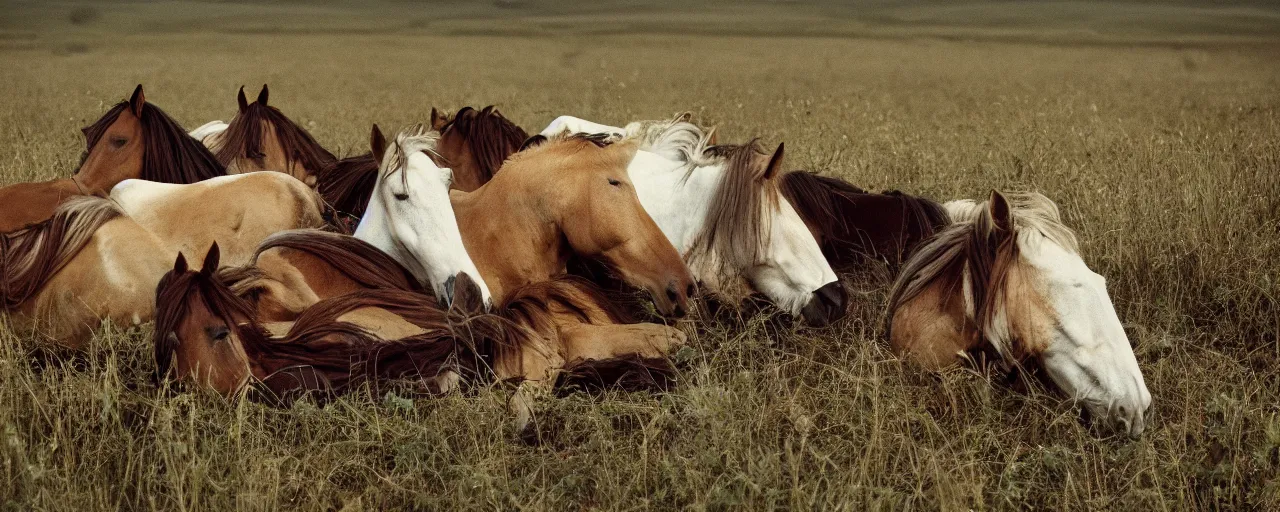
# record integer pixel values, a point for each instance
(1087, 353)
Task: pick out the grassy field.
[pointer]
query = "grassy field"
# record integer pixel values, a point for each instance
(1163, 151)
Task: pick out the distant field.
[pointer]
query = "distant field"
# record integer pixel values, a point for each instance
(1156, 128)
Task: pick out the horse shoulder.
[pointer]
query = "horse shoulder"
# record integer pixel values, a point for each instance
(113, 277)
(931, 330)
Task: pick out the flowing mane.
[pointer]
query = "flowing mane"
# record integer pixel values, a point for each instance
(31, 256)
(243, 139)
(972, 257)
(347, 183)
(853, 223)
(490, 137)
(355, 258)
(736, 230)
(171, 156)
(414, 139)
(322, 354)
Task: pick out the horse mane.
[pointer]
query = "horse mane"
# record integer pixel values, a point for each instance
(830, 206)
(170, 156)
(674, 139)
(31, 256)
(243, 138)
(355, 258)
(490, 137)
(348, 183)
(174, 294)
(737, 229)
(532, 305)
(409, 141)
(974, 255)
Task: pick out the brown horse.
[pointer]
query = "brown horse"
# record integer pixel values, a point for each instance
(548, 333)
(134, 139)
(569, 195)
(473, 143)
(98, 259)
(261, 138)
(854, 226)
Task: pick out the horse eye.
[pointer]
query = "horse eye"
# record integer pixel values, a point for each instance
(119, 142)
(219, 333)
(401, 196)
(614, 182)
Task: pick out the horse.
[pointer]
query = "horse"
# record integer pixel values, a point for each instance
(261, 138)
(134, 139)
(98, 258)
(473, 143)
(1006, 280)
(409, 219)
(854, 226)
(722, 208)
(568, 195)
(547, 335)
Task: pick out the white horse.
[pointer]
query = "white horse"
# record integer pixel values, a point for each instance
(721, 209)
(1007, 278)
(207, 130)
(409, 216)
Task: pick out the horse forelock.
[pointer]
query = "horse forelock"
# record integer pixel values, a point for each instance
(348, 183)
(177, 293)
(171, 155)
(243, 139)
(414, 139)
(973, 256)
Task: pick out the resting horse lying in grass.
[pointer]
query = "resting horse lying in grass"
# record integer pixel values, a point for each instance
(547, 334)
(261, 138)
(1006, 279)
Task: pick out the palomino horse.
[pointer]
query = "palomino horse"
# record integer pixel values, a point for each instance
(261, 138)
(473, 143)
(854, 226)
(134, 139)
(98, 259)
(1006, 279)
(720, 206)
(409, 219)
(568, 195)
(547, 334)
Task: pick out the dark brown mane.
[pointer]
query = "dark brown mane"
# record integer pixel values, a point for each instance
(347, 184)
(737, 227)
(854, 225)
(243, 139)
(490, 136)
(355, 258)
(175, 295)
(532, 304)
(31, 256)
(171, 156)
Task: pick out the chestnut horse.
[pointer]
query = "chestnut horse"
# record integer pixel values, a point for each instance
(98, 259)
(547, 334)
(721, 206)
(473, 143)
(134, 139)
(1007, 280)
(261, 138)
(568, 195)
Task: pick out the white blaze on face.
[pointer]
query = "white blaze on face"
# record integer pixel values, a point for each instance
(794, 266)
(410, 218)
(1088, 354)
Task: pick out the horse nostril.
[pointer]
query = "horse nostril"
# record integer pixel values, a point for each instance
(691, 291)
(679, 312)
(672, 294)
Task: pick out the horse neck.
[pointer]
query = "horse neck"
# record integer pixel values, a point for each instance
(511, 236)
(676, 199)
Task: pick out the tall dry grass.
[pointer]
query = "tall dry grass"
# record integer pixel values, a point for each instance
(1163, 158)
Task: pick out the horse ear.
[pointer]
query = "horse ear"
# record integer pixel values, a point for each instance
(775, 163)
(684, 117)
(136, 101)
(533, 141)
(1000, 212)
(467, 297)
(437, 119)
(377, 144)
(262, 96)
(180, 265)
(243, 103)
(211, 260)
